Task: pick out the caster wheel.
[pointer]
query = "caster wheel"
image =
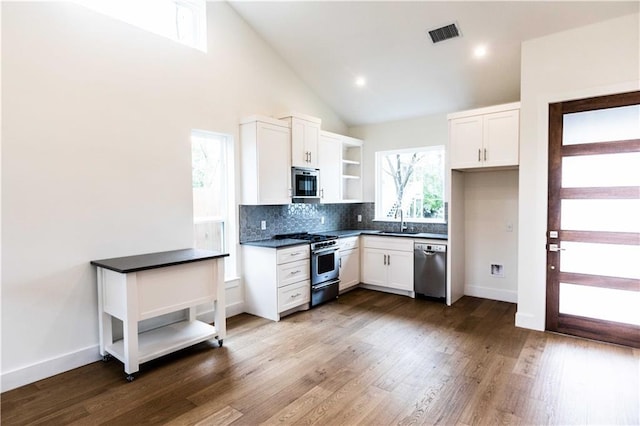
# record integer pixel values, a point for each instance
(107, 357)
(220, 341)
(130, 377)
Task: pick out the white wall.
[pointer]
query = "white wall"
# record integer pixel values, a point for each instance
(416, 132)
(490, 206)
(96, 157)
(594, 60)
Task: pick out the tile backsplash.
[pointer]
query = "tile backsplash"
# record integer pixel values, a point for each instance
(288, 218)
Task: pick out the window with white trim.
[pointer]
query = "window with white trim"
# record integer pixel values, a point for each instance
(411, 181)
(184, 21)
(213, 198)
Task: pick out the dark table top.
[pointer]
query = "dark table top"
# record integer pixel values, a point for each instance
(143, 262)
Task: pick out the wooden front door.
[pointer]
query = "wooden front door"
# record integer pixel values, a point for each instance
(593, 234)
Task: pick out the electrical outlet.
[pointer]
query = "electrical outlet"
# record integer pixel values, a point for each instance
(263, 224)
(359, 218)
(322, 220)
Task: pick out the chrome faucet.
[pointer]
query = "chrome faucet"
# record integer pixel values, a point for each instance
(403, 226)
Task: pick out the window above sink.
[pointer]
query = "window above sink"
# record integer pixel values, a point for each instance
(410, 181)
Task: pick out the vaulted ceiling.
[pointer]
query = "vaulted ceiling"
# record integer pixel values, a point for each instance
(332, 43)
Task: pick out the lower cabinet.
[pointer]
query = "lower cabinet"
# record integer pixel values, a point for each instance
(276, 281)
(349, 262)
(388, 262)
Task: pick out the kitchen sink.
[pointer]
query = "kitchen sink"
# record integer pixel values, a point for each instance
(395, 233)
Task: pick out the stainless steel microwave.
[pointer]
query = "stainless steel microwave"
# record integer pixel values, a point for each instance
(305, 183)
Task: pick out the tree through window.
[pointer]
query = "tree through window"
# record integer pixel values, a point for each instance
(412, 181)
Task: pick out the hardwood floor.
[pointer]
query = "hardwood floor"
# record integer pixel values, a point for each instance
(368, 358)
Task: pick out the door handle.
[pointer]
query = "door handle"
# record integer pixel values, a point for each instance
(485, 154)
(555, 247)
(479, 159)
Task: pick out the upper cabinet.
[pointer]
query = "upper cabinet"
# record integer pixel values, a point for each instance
(266, 161)
(305, 137)
(329, 163)
(340, 160)
(485, 137)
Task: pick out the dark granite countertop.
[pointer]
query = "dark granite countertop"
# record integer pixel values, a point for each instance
(355, 232)
(273, 243)
(143, 262)
(340, 233)
(409, 235)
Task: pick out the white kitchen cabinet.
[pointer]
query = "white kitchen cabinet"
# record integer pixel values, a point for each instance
(486, 137)
(330, 165)
(349, 262)
(305, 137)
(387, 262)
(276, 281)
(266, 161)
(340, 164)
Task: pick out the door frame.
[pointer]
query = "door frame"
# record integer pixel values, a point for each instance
(609, 331)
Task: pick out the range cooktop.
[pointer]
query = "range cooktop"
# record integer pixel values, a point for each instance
(314, 238)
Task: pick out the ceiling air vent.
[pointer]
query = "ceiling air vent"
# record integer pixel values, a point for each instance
(444, 33)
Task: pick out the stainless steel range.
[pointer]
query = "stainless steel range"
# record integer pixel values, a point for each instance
(325, 278)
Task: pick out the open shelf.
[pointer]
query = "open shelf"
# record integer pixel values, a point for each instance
(350, 177)
(355, 163)
(164, 340)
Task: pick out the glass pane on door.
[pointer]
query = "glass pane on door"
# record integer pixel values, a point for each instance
(602, 125)
(610, 260)
(603, 170)
(600, 215)
(600, 303)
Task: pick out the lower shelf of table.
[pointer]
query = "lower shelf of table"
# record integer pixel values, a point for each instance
(165, 340)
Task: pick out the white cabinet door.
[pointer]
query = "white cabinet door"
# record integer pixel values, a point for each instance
(501, 135)
(465, 142)
(487, 137)
(305, 136)
(349, 268)
(265, 150)
(329, 163)
(400, 270)
(374, 268)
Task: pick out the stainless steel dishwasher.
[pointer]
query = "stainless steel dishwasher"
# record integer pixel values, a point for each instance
(430, 270)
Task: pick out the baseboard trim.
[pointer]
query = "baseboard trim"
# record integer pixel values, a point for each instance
(389, 290)
(529, 321)
(234, 309)
(41, 370)
(50, 367)
(491, 293)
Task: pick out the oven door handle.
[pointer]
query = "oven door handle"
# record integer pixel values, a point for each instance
(324, 284)
(324, 250)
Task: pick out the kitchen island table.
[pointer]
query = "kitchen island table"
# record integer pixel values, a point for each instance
(135, 288)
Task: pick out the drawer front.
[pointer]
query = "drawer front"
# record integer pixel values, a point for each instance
(294, 295)
(348, 243)
(389, 243)
(293, 253)
(292, 272)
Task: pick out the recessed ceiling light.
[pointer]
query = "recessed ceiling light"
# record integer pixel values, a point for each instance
(480, 51)
(361, 82)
